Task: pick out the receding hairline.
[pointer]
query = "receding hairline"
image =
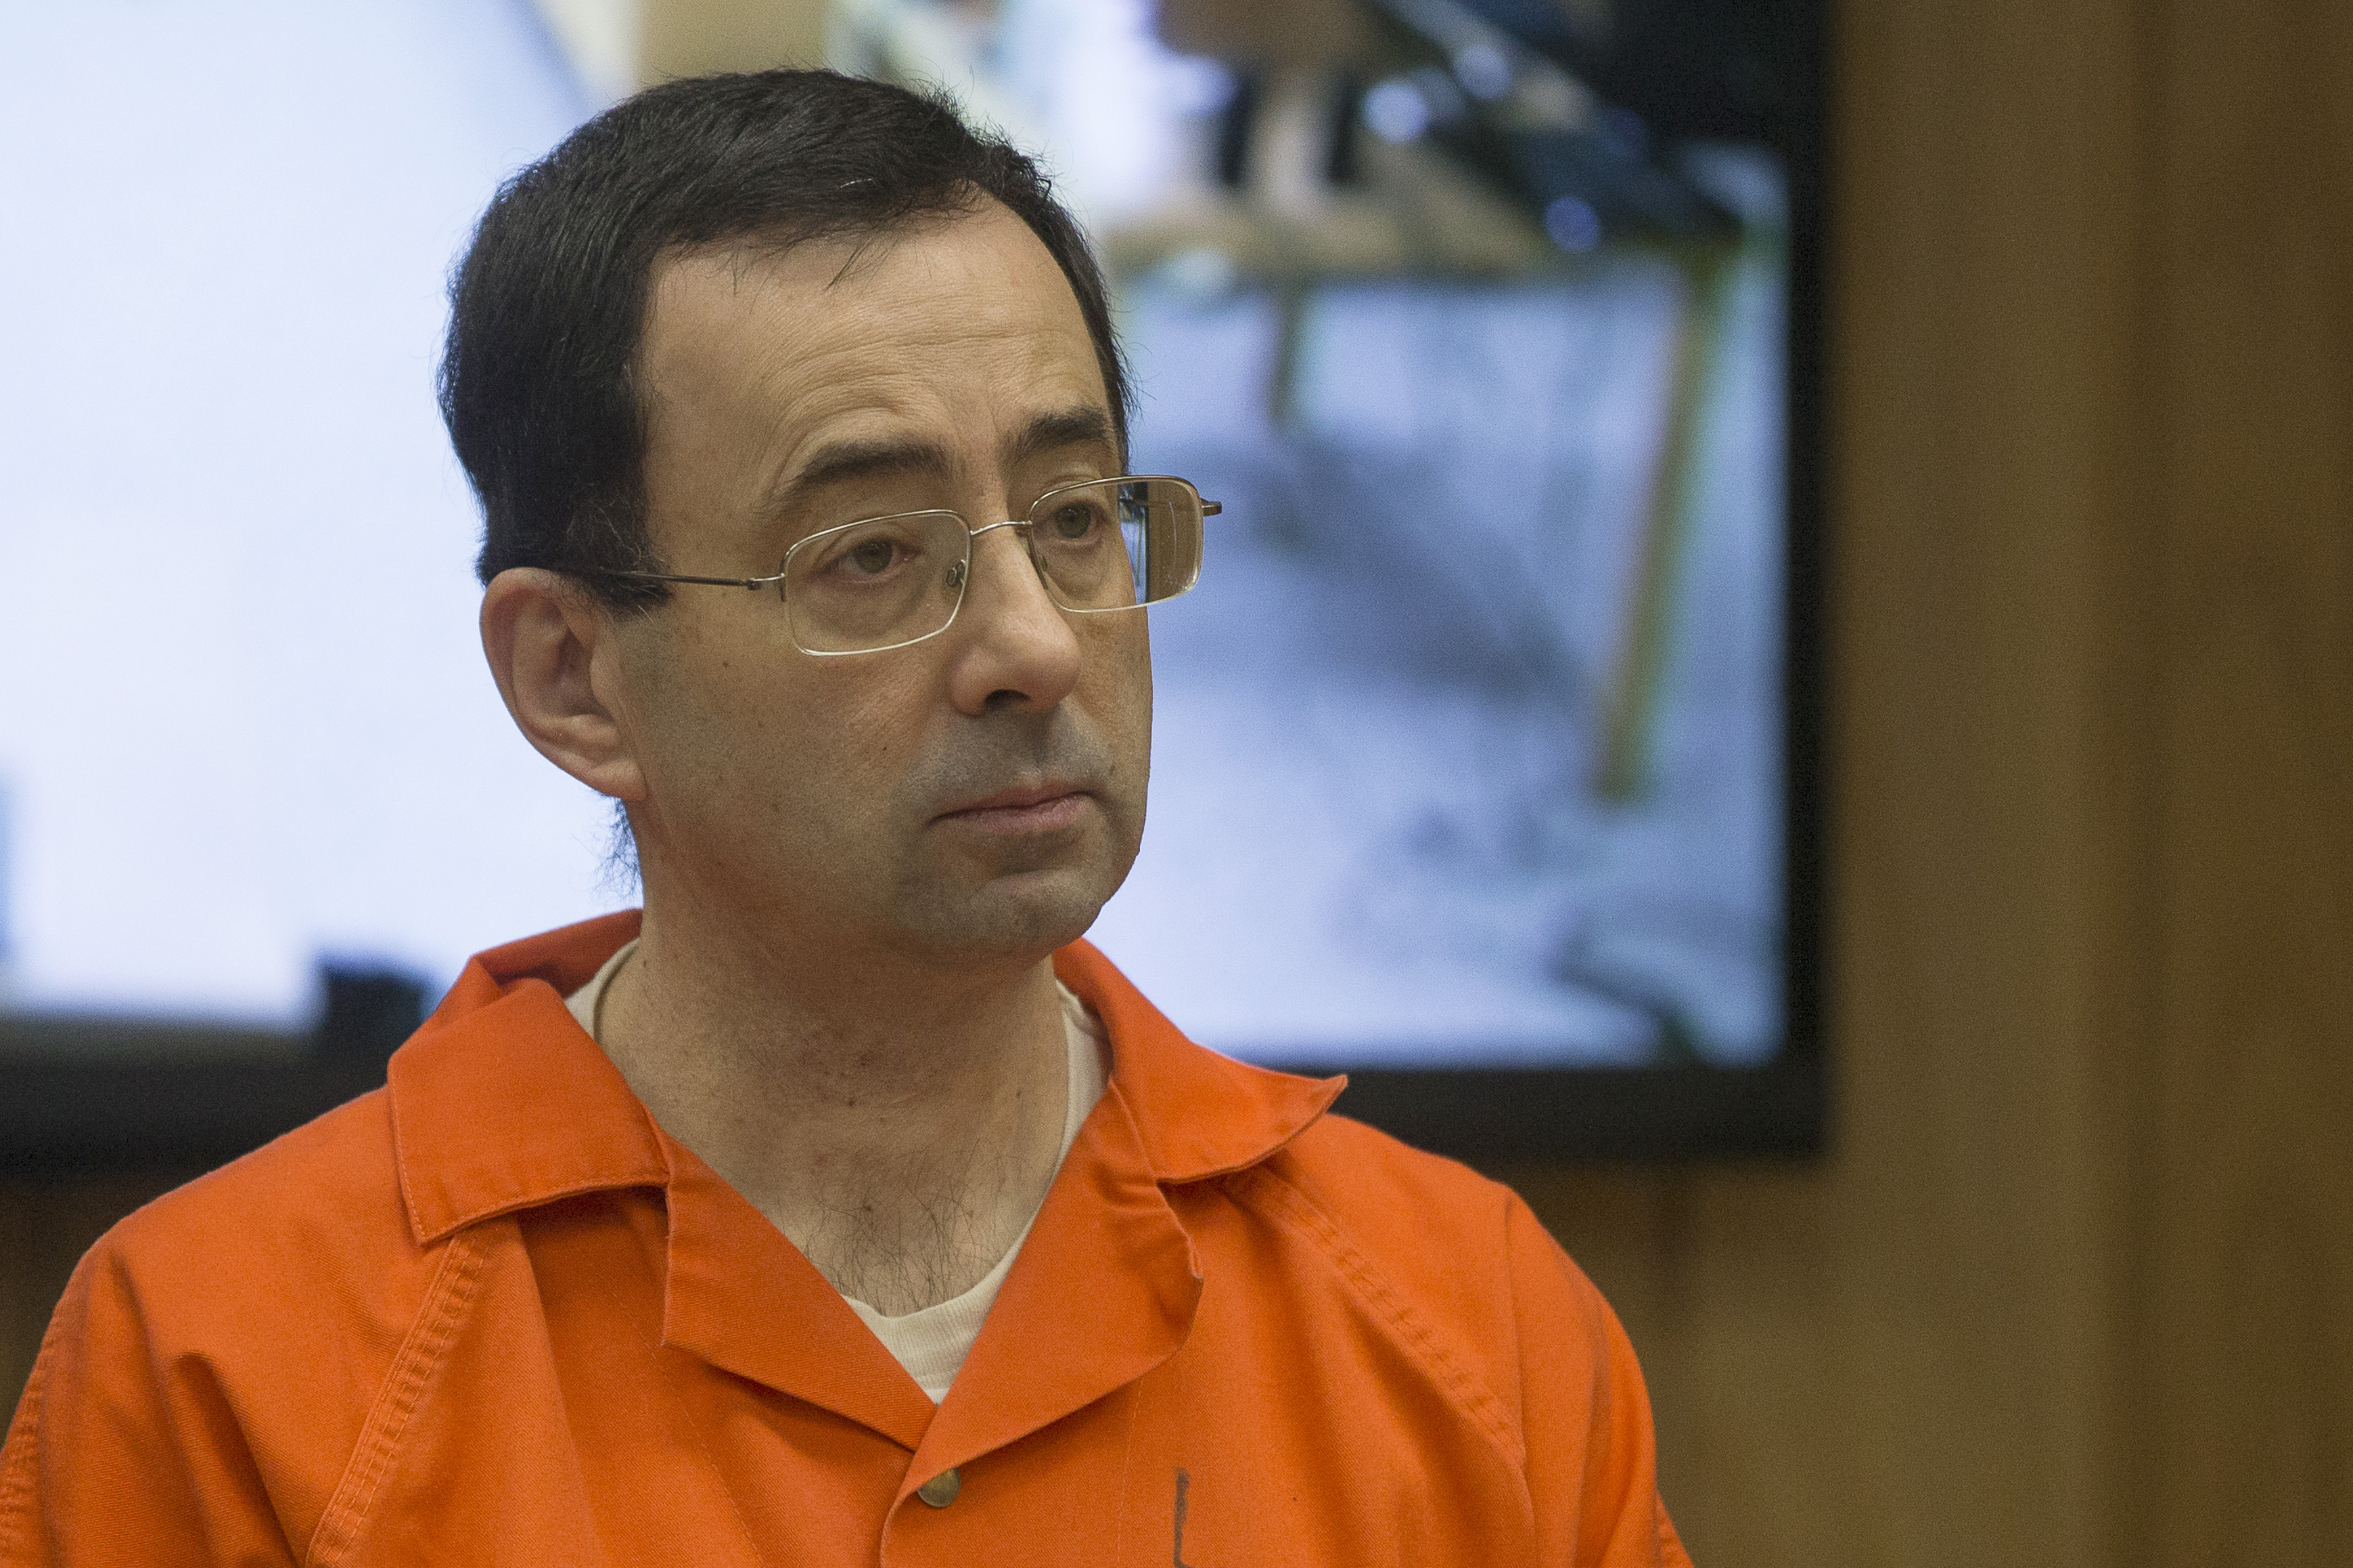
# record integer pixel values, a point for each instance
(774, 244)
(738, 252)
(958, 203)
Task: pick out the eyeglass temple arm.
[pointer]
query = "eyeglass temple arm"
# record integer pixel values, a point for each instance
(755, 584)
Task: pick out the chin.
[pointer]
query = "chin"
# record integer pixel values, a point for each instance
(1018, 915)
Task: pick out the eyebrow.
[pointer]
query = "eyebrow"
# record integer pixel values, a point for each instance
(843, 461)
(1086, 425)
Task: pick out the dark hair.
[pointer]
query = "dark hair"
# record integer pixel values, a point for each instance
(549, 304)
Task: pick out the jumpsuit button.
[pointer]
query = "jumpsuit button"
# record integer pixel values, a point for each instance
(942, 1488)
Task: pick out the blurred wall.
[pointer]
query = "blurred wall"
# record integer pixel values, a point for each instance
(2075, 1283)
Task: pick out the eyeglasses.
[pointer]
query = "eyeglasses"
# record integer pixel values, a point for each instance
(885, 581)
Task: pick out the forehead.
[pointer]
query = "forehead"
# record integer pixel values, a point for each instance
(955, 331)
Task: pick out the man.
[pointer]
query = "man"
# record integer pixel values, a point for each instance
(846, 1207)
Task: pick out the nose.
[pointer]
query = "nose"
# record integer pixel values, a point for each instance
(1015, 648)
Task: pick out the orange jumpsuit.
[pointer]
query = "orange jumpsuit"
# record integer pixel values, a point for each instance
(492, 1314)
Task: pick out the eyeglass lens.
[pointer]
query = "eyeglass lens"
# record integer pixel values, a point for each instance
(1110, 545)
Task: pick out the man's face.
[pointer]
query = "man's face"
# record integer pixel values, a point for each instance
(976, 795)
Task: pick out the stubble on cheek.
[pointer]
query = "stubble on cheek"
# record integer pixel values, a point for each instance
(813, 806)
(954, 888)
(734, 800)
(958, 891)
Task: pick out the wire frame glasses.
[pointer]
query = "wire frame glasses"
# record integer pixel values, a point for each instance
(885, 581)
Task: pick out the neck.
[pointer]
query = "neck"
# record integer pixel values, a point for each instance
(900, 1123)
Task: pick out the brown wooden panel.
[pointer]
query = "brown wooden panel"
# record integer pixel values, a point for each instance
(1906, 1357)
(2251, 1347)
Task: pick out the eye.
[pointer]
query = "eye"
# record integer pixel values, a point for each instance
(871, 556)
(1072, 521)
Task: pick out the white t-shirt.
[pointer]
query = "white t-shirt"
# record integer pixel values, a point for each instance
(932, 1343)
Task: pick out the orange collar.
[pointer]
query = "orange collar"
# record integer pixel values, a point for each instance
(501, 1102)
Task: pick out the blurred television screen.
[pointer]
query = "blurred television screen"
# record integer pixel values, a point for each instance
(1472, 747)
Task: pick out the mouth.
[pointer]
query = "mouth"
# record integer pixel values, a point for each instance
(1033, 808)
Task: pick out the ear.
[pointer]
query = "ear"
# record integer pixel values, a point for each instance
(555, 654)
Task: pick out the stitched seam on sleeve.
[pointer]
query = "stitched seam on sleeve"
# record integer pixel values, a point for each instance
(17, 1483)
(430, 1337)
(1471, 1393)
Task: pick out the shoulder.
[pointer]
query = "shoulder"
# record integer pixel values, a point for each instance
(207, 1371)
(1472, 1287)
(1458, 1247)
(304, 1237)
(1355, 1164)
(1425, 1204)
